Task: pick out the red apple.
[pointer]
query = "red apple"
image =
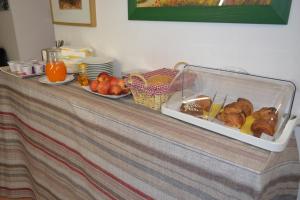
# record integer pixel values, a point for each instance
(94, 85)
(103, 74)
(115, 90)
(125, 90)
(113, 81)
(103, 77)
(121, 83)
(103, 87)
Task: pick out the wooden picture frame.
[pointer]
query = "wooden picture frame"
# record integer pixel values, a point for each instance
(81, 14)
(277, 12)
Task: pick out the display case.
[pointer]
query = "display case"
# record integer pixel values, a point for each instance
(253, 109)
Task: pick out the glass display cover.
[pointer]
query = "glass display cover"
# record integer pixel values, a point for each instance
(231, 102)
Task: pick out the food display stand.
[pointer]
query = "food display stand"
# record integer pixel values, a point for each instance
(253, 109)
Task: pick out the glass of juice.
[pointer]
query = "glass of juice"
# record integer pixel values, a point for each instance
(55, 68)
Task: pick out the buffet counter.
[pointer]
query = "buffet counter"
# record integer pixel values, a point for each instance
(61, 142)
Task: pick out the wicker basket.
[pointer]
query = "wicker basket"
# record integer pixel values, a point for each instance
(152, 88)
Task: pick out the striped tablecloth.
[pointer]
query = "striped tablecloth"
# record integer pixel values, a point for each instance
(61, 142)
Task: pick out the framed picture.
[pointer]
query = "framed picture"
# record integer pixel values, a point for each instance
(74, 12)
(4, 5)
(230, 11)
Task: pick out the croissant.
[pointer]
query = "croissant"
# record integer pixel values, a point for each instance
(266, 113)
(265, 121)
(232, 108)
(235, 113)
(235, 120)
(245, 105)
(262, 126)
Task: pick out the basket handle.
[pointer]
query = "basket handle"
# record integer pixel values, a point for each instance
(138, 76)
(176, 66)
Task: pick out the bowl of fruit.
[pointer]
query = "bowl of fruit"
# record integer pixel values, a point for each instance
(108, 86)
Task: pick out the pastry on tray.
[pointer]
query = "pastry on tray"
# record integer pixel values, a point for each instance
(266, 113)
(235, 113)
(265, 121)
(197, 106)
(245, 105)
(262, 126)
(235, 120)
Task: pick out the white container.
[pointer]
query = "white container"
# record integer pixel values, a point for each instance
(38, 69)
(19, 68)
(225, 87)
(27, 69)
(12, 66)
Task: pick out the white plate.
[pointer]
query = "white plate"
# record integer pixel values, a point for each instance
(19, 75)
(102, 59)
(87, 88)
(45, 80)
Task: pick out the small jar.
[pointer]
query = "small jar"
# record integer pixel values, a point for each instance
(82, 74)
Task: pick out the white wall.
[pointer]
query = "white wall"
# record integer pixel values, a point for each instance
(7, 35)
(271, 50)
(26, 29)
(33, 27)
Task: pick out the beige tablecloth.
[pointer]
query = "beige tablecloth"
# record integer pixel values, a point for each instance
(61, 142)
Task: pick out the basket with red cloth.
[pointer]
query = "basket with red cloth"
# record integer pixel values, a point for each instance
(152, 89)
